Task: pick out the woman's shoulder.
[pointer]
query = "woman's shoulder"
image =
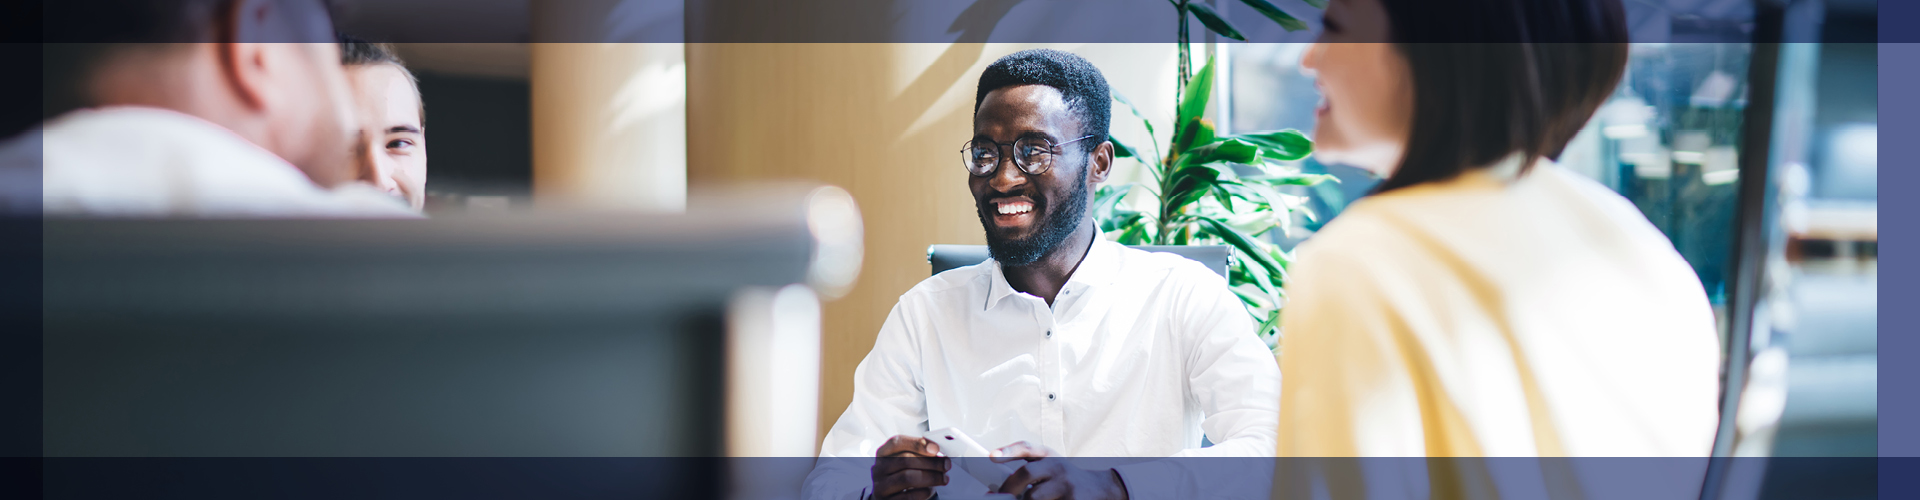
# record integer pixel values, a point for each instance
(1362, 239)
(1502, 229)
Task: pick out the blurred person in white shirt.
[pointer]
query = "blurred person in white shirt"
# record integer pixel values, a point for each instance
(196, 108)
(1063, 345)
(392, 154)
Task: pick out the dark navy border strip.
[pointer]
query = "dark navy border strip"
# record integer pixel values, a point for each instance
(852, 21)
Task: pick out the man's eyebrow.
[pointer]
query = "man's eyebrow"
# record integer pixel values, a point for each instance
(403, 128)
(1037, 134)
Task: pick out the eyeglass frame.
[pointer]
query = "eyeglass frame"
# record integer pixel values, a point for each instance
(966, 149)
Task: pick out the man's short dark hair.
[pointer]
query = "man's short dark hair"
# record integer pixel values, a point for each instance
(81, 35)
(1082, 85)
(84, 32)
(357, 52)
(131, 21)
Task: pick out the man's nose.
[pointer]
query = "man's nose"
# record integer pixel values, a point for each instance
(384, 177)
(1007, 176)
(373, 167)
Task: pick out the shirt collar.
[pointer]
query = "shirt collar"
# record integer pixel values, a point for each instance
(1097, 268)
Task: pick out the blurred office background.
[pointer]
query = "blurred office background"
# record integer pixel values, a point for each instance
(649, 125)
(637, 126)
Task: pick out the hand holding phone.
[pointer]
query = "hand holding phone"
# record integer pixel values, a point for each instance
(970, 456)
(908, 467)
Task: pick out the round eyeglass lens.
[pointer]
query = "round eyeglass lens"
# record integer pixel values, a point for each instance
(980, 158)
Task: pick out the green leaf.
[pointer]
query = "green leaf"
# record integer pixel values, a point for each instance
(1285, 259)
(1197, 131)
(1237, 274)
(1258, 193)
(1318, 4)
(1215, 24)
(1254, 298)
(1272, 322)
(1226, 199)
(1296, 179)
(1279, 16)
(1120, 149)
(1283, 145)
(1308, 211)
(1256, 275)
(1244, 243)
(1117, 96)
(1193, 102)
(1107, 198)
(1189, 184)
(1255, 222)
(1134, 235)
(1122, 221)
(1222, 171)
(1230, 150)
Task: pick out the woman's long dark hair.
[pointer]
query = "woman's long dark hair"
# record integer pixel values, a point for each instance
(1497, 77)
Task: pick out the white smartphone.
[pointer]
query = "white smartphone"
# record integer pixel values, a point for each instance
(970, 456)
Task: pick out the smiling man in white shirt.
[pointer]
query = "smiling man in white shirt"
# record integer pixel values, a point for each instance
(1062, 345)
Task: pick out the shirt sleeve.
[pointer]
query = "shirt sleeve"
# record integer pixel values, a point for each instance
(888, 400)
(1235, 381)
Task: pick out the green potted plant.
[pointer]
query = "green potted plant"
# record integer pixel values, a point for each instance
(1198, 196)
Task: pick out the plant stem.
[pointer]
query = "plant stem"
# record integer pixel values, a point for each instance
(1165, 234)
(1186, 64)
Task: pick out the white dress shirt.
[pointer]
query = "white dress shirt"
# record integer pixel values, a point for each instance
(1491, 317)
(1140, 354)
(152, 162)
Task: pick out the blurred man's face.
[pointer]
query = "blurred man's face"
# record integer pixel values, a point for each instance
(314, 115)
(393, 150)
(294, 76)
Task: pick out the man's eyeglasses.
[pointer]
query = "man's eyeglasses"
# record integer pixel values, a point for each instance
(1034, 155)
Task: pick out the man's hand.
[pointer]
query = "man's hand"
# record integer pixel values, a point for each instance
(1055, 479)
(908, 468)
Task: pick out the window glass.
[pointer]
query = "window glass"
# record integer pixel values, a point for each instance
(1668, 140)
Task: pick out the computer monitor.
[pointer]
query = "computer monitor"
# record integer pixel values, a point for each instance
(509, 336)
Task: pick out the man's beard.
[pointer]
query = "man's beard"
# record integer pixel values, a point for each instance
(1058, 225)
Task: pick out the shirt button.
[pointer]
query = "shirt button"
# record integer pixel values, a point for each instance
(1049, 333)
(1049, 396)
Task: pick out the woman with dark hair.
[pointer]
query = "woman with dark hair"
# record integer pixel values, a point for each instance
(1485, 301)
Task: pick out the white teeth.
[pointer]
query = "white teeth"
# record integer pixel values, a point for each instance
(1015, 208)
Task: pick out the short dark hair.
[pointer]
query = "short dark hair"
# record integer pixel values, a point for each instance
(358, 52)
(83, 33)
(1510, 76)
(131, 21)
(1081, 84)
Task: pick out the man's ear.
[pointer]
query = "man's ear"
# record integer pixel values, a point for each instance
(244, 62)
(245, 67)
(1101, 164)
